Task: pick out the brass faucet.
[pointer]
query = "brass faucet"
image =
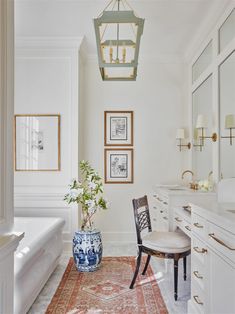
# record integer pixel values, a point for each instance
(193, 185)
(186, 172)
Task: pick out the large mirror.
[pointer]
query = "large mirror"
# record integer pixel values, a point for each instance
(227, 31)
(227, 117)
(203, 61)
(202, 126)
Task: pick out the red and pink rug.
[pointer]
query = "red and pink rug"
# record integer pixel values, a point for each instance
(106, 291)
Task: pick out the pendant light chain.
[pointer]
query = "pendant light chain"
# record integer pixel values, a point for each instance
(114, 2)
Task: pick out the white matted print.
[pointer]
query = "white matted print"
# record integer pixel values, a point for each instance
(118, 165)
(37, 142)
(118, 128)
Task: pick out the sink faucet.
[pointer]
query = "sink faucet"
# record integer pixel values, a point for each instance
(189, 171)
(192, 184)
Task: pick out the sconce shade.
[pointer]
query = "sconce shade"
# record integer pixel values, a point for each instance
(180, 134)
(230, 121)
(118, 34)
(201, 121)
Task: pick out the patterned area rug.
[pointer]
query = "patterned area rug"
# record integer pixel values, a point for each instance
(106, 291)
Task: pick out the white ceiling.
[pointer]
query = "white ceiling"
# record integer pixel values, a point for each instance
(170, 25)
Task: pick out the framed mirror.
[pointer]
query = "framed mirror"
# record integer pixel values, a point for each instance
(227, 31)
(227, 117)
(37, 142)
(202, 125)
(203, 61)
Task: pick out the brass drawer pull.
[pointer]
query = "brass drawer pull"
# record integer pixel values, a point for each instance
(187, 208)
(202, 251)
(177, 219)
(212, 235)
(165, 218)
(196, 274)
(161, 211)
(188, 228)
(196, 224)
(197, 300)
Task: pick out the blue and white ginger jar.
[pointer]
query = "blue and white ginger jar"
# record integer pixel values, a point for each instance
(87, 250)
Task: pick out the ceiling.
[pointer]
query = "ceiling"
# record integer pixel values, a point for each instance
(170, 25)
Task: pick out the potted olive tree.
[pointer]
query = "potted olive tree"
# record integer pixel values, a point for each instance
(87, 242)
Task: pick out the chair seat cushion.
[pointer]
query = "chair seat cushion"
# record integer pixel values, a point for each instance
(167, 242)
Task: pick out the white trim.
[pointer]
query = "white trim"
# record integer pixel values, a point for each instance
(49, 42)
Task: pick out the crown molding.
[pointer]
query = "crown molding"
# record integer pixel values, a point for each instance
(49, 42)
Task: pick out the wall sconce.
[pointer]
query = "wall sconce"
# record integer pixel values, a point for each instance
(230, 125)
(181, 136)
(202, 125)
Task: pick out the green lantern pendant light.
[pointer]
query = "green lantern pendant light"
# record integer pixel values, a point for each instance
(118, 32)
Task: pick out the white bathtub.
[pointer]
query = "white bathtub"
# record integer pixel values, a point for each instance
(36, 257)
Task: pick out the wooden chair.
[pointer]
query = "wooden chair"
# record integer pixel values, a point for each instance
(173, 245)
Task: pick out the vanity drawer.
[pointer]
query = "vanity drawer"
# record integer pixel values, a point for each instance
(198, 250)
(222, 240)
(199, 225)
(162, 200)
(198, 298)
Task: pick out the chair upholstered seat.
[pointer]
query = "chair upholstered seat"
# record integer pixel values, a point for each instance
(167, 242)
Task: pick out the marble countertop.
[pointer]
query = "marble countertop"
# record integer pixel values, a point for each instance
(180, 190)
(222, 214)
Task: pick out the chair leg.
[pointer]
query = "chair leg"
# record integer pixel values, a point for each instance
(175, 279)
(185, 267)
(136, 269)
(146, 265)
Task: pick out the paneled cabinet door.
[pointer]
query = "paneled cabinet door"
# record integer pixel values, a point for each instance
(221, 281)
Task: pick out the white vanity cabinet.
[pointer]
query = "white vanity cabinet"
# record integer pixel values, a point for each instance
(167, 199)
(212, 259)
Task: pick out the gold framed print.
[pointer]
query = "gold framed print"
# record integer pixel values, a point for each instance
(118, 128)
(37, 142)
(118, 165)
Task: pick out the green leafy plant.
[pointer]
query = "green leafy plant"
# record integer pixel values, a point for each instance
(88, 193)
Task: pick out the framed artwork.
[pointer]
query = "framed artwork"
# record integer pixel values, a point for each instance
(118, 165)
(118, 128)
(37, 142)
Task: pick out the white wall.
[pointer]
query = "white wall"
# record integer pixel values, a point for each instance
(47, 82)
(157, 99)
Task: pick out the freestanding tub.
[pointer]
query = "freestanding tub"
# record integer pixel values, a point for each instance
(36, 257)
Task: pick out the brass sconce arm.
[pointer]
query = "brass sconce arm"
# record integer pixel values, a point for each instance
(230, 136)
(180, 145)
(202, 138)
